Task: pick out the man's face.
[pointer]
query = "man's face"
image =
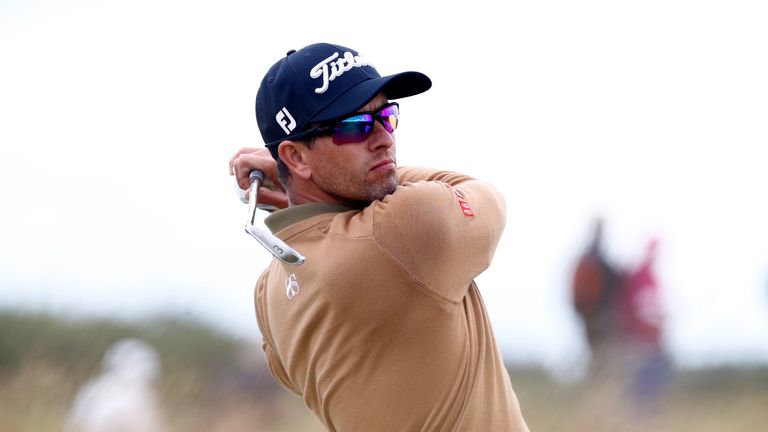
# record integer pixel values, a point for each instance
(356, 172)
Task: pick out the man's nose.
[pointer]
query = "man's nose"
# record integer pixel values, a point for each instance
(380, 138)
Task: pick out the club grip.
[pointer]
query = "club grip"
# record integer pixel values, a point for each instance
(256, 175)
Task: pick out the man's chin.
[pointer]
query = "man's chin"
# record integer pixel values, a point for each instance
(382, 189)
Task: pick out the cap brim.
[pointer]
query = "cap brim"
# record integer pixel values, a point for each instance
(393, 86)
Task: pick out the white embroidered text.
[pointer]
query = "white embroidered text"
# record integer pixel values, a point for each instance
(329, 69)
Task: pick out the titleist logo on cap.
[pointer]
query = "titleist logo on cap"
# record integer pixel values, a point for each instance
(329, 69)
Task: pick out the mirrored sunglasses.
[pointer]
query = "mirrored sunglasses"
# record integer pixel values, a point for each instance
(358, 127)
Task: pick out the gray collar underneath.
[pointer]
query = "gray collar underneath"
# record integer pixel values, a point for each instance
(286, 217)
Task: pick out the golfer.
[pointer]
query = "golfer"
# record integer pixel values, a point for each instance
(382, 328)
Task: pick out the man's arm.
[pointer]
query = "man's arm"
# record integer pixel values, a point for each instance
(442, 227)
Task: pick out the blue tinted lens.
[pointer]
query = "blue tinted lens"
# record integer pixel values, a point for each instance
(357, 128)
(353, 129)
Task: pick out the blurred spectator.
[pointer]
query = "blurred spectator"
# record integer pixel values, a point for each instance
(642, 320)
(122, 398)
(595, 286)
(623, 319)
(640, 305)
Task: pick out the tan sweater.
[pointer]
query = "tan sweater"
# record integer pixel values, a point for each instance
(383, 327)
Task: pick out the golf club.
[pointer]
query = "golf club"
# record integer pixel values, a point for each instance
(274, 245)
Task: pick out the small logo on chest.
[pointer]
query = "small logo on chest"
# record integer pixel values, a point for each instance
(291, 286)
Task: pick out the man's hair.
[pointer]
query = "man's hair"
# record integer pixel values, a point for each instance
(283, 173)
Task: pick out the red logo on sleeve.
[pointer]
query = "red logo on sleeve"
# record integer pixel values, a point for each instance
(465, 208)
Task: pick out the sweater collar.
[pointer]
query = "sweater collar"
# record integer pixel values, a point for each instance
(284, 218)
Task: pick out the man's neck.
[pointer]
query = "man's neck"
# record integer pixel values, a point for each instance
(297, 196)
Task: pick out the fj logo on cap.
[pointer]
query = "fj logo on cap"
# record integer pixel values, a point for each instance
(285, 120)
(329, 69)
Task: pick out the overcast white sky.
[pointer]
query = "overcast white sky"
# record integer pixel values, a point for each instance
(117, 120)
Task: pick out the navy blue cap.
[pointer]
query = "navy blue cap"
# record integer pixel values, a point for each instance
(322, 82)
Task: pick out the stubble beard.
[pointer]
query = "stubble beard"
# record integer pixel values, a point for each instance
(378, 190)
(360, 188)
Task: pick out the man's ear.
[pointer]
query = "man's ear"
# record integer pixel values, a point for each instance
(293, 154)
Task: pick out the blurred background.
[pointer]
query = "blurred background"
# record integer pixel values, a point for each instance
(630, 289)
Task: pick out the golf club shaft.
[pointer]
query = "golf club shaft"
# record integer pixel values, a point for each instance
(274, 245)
